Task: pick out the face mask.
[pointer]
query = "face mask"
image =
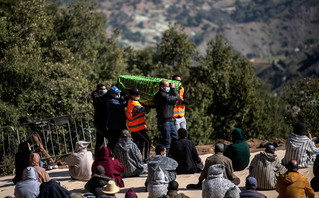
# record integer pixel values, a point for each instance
(117, 96)
(136, 98)
(104, 91)
(167, 89)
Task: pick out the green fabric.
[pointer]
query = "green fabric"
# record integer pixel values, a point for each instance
(238, 152)
(149, 86)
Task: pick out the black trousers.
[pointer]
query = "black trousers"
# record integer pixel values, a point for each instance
(113, 138)
(140, 138)
(100, 133)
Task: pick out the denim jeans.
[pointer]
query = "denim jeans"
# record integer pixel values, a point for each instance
(168, 131)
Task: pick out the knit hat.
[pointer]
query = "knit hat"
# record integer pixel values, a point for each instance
(111, 188)
(130, 193)
(251, 182)
(300, 129)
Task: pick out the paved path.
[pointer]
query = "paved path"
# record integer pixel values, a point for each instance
(62, 175)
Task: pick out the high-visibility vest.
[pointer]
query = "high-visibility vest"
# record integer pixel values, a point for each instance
(137, 122)
(179, 109)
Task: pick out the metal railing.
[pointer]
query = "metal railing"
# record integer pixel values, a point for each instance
(58, 134)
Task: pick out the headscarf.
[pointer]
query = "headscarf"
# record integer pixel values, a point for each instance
(29, 186)
(81, 146)
(130, 193)
(35, 161)
(21, 160)
(238, 136)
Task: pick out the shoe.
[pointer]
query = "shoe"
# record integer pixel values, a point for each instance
(55, 167)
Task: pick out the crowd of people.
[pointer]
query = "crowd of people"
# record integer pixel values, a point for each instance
(121, 120)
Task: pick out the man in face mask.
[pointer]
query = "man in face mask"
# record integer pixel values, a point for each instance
(165, 100)
(100, 115)
(116, 118)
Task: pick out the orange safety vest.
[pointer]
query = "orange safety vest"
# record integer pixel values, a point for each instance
(137, 122)
(179, 110)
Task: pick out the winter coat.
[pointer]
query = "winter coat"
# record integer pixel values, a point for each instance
(293, 185)
(174, 194)
(52, 189)
(238, 152)
(167, 164)
(301, 149)
(251, 193)
(80, 162)
(96, 183)
(21, 160)
(216, 186)
(128, 154)
(185, 153)
(35, 162)
(100, 108)
(265, 167)
(113, 168)
(158, 183)
(29, 187)
(116, 111)
(165, 103)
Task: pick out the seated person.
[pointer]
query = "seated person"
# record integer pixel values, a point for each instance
(158, 184)
(29, 186)
(130, 193)
(251, 186)
(113, 168)
(80, 162)
(98, 180)
(238, 151)
(299, 147)
(127, 153)
(215, 184)
(35, 162)
(172, 191)
(315, 181)
(266, 168)
(184, 152)
(53, 189)
(22, 158)
(217, 158)
(167, 164)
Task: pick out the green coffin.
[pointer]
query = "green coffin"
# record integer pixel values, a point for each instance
(149, 86)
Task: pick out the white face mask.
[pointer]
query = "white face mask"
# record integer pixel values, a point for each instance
(167, 89)
(136, 98)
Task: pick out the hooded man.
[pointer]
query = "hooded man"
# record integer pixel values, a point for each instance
(29, 187)
(265, 167)
(80, 161)
(158, 181)
(299, 147)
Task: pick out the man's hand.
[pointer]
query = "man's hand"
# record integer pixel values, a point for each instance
(172, 85)
(309, 135)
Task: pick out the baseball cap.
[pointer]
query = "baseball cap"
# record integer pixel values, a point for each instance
(114, 90)
(251, 181)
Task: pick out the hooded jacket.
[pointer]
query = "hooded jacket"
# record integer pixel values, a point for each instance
(127, 153)
(265, 167)
(80, 162)
(158, 183)
(29, 187)
(293, 185)
(35, 162)
(113, 168)
(216, 186)
(301, 149)
(21, 160)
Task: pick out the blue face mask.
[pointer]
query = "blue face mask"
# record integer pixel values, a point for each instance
(104, 91)
(167, 89)
(117, 96)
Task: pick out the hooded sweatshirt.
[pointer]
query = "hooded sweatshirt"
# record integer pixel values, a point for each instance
(301, 149)
(128, 154)
(113, 168)
(29, 187)
(294, 185)
(238, 152)
(21, 160)
(35, 162)
(158, 183)
(216, 186)
(80, 162)
(265, 167)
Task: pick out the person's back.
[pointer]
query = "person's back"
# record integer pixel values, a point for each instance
(21, 160)
(185, 153)
(173, 191)
(250, 192)
(35, 161)
(265, 167)
(53, 189)
(293, 184)
(80, 161)
(315, 181)
(216, 186)
(158, 183)
(98, 180)
(29, 187)
(299, 147)
(238, 151)
(127, 153)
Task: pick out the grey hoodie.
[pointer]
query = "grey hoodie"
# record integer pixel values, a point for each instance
(128, 154)
(158, 183)
(29, 187)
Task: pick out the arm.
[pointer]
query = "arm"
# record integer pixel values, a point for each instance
(309, 191)
(114, 104)
(203, 174)
(185, 98)
(170, 98)
(195, 154)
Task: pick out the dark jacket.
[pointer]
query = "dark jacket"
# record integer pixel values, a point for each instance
(96, 183)
(185, 153)
(116, 110)
(21, 160)
(100, 108)
(52, 189)
(164, 103)
(250, 193)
